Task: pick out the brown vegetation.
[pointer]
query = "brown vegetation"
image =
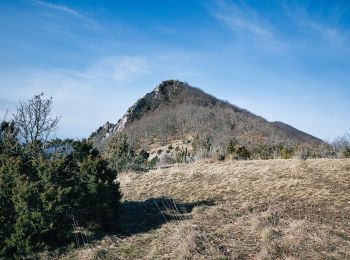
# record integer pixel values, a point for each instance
(175, 110)
(274, 209)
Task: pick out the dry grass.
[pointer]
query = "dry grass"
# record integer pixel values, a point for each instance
(275, 209)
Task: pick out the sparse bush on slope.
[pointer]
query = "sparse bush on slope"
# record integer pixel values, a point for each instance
(122, 156)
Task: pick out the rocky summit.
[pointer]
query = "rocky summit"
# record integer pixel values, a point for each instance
(174, 110)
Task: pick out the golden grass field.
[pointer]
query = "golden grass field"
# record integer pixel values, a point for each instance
(272, 209)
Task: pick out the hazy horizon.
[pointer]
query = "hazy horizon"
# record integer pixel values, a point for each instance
(286, 61)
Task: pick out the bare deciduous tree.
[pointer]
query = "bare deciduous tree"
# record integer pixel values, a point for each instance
(33, 119)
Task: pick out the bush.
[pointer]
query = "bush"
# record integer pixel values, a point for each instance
(140, 162)
(346, 152)
(264, 152)
(40, 197)
(122, 156)
(202, 146)
(274, 151)
(182, 155)
(341, 146)
(220, 152)
(153, 163)
(237, 151)
(9, 167)
(119, 153)
(231, 147)
(287, 152)
(313, 151)
(166, 159)
(241, 152)
(8, 139)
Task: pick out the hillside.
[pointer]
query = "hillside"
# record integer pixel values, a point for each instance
(176, 111)
(273, 209)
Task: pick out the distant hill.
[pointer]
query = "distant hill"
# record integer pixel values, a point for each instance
(174, 110)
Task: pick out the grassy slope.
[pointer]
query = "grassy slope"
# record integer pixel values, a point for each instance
(246, 209)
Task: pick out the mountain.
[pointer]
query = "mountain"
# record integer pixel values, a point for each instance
(174, 110)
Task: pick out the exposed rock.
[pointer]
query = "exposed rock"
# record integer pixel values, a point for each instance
(173, 97)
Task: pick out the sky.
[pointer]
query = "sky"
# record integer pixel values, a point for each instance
(283, 60)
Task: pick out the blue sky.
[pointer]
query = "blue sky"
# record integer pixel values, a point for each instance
(284, 60)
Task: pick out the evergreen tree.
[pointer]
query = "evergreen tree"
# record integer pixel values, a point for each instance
(40, 196)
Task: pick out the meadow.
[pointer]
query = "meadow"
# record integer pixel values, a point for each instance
(258, 209)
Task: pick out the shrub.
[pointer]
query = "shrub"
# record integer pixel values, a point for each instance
(231, 147)
(202, 146)
(265, 152)
(346, 152)
(45, 186)
(8, 139)
(9, 168)
(182, 155)
(139, 162)
(287, 152)
(39, 197)
(119, 153)
(313, 151)
(122, 156)
(220, 152)
(341, 145)
(237, 151)
(166, 159)
(241, 152)
(151, 164)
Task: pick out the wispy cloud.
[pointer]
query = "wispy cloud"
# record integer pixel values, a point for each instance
(119, 68)
(327, 29)
(242, 19)
(68, 11)
(331, 34)
(61, 8)
(248, 25)
(109, 71)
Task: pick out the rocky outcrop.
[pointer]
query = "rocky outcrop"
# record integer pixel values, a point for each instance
(175, 99)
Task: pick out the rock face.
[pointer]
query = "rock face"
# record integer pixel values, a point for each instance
(175, 110)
